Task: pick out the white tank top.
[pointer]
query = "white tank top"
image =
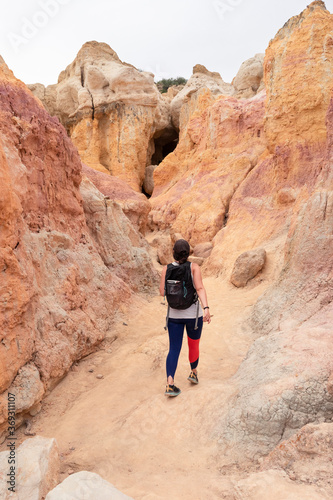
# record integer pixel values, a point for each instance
(190, 312)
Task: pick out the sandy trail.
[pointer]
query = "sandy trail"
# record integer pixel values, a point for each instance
(124, 428)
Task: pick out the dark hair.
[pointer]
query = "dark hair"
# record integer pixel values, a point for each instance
(181, 251)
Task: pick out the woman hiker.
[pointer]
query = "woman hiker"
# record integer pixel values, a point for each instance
(181, 282)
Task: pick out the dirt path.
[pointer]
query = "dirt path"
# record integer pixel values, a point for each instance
(124, 428)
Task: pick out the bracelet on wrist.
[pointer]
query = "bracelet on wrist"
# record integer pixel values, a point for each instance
(206, 307)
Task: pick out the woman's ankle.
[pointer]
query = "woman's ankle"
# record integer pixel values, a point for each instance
(170, 381)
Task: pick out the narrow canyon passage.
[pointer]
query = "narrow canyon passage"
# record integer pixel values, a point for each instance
(122, 426)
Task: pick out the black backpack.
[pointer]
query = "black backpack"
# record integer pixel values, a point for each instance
(179, 288)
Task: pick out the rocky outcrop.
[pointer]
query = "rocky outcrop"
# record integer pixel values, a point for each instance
(134, 205)
(58, 292)
(256, 173)
(307, 456)
(123, 250)
(306, 276)
(201, 78)
(111, 110)
(87, 485)
(118, 119)
(293, 361)
(298, 83)
(220, 143)
(281, 386)
(249, 79)
(243, 168)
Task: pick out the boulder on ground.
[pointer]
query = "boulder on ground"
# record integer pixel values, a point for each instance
(196, 260)
(163, 246)
(28, 390)
(203, 250)
(87, 485)
(148, 184)
(37, 469)
(247, 266)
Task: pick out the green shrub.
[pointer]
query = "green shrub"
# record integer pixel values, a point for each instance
(164, 84)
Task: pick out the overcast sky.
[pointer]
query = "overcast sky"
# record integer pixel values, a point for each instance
(39, 38)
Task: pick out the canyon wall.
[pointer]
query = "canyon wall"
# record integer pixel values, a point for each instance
(256, 175)
(251, 173)
(68, 259)
(285, 382)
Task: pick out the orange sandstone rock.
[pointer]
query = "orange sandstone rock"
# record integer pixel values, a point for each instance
(135, 205)
(298, 80)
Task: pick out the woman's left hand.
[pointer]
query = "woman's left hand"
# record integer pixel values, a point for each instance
(207, 317)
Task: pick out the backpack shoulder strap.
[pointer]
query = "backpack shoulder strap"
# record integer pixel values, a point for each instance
(192, 281)
(170, 268)
(189, 272)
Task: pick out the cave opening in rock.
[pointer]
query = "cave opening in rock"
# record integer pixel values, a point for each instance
(160, 147)
(165, 143)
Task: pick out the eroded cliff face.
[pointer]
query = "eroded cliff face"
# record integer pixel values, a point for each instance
(111, 110)
(61, 278)
(243, 167)
(285, 381)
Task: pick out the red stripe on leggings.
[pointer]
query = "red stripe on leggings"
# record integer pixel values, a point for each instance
(193, 346)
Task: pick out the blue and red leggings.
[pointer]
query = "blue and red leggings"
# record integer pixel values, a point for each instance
(176, 331)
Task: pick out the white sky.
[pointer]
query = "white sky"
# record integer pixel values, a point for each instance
(39, 38)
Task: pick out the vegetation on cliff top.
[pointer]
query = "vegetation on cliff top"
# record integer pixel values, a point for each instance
(165, 83)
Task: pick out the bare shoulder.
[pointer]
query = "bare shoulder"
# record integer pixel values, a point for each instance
(195, 267)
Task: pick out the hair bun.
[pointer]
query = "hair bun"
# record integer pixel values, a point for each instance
(181, 251)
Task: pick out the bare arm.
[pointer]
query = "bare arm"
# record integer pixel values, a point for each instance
(197, 278)
(162, 282)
